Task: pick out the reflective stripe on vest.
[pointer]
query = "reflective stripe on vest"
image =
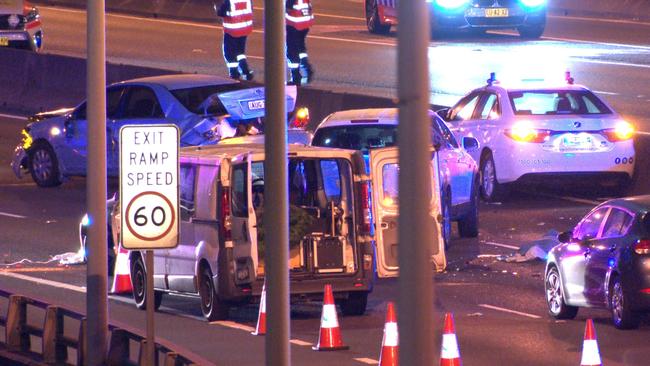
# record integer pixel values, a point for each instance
(239, 18)
(300, 15)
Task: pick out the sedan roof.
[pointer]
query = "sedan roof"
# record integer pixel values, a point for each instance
(635, 203)
(182, 81)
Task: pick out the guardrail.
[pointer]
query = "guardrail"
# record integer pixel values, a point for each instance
(55, 342)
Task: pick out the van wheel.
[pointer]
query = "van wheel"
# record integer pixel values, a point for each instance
(555, 301)
(355, 304)
(212, 307)
(622, 316)
(139, 281)
(468, 225)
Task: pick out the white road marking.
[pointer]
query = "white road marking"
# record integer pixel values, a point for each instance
(368, 361)
(13, 116)
(599, 20)
(501, 245)
(579, 200)
(12, 215)
(45, 282)
(234, 325)
(298, 342)
(509, 311)
(625, 64)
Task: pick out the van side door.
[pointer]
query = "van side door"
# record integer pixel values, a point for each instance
(384, 167)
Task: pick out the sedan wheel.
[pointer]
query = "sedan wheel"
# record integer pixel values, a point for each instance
(557, 307)
(622, 316)
(491, 190)
(44, 166)
(446, 220)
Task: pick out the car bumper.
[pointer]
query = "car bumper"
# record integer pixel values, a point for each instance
(15, 38)
(19, 162)
(476, 17)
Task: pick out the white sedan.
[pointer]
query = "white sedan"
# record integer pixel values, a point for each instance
(534, 130)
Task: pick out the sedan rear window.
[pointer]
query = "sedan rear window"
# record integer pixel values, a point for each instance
(191, 98)
(363, 137)
(556, 102)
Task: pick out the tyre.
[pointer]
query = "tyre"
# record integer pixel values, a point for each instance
(446, 219)
(372, 19)
(533, 31)
(44, 166)
(622, 315)
(555, 301)
(491, 190)
(139, 281)
(355, 304)
(212, 307)
(468, 225)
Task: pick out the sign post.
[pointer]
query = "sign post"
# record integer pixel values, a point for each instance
(149, 200)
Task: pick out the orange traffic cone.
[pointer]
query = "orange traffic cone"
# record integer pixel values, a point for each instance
(122, 273)
(590, 353)
(330, 334)
(261, 318)
(449, 355)
(390, 342)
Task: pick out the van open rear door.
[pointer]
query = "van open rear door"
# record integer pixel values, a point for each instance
(384, 170)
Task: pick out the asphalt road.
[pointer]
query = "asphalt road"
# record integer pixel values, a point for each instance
(499, 307)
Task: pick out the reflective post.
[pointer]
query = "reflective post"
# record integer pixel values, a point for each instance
(276, 226)
(97, 270)
(416, 229)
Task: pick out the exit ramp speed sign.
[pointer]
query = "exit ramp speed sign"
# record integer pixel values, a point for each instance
(149, 202)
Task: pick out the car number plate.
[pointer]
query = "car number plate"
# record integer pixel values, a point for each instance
(577, 142)
(254, 105)
(4, 41)
(496, 12)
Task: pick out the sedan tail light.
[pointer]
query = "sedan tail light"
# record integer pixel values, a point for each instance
(623, 131)
(523, 132)
(642, 246)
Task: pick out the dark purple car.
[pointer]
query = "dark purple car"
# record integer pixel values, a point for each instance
(604, 262)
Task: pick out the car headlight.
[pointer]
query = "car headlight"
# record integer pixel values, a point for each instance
(451, 4)
(27, 139)
(532, 3)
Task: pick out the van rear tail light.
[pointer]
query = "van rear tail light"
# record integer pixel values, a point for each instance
(364, 191)
(642, 246)
(225, 214)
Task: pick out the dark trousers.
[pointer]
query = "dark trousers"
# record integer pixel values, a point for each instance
(295, 45)
(233, 47)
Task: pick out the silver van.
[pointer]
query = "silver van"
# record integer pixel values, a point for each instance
(220, 256)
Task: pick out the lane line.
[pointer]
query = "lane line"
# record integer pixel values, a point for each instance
(298, 342)
(13, 116)
(44, 282)
(625, 64)
(368, 361)
(234, 325)
(7, 214)
(550, 38)
(599, 20)
(501, 245)
(578, 200)
(533, 316)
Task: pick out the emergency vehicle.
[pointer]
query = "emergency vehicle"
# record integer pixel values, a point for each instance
(20, 25)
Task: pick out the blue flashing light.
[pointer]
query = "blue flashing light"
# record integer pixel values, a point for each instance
(611, 262)
(451, 4)
(533, 3)
(85, 221)
(492, 79)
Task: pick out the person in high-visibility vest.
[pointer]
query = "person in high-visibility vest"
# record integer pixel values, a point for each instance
(299, 18)
(237, 25)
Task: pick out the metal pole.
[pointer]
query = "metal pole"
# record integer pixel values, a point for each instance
(276, 225)
(151, 345)
(416, 229)
(97, 271)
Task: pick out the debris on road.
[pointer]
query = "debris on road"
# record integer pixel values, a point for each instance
(533, 250)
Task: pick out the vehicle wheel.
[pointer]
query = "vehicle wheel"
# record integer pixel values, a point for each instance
(372, 19)
(622, 315)
(446, 219)
(557, 308)
(44, 166)
(139, 281)
(468, 225)
(212, 307)
(531, 31)
(355, 304)
(491, 190)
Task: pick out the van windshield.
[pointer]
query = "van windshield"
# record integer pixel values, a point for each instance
(360, 137)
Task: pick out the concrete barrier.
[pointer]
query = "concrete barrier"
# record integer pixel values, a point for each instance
(201, 10)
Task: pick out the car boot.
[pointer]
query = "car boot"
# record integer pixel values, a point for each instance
(296, 77)
(246, 72)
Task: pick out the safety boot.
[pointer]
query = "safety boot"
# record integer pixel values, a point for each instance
(246, 72)
(306, 66)
(296, 77)
(233, 72)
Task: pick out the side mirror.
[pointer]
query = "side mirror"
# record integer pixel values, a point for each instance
(565, 237)
(470, 144)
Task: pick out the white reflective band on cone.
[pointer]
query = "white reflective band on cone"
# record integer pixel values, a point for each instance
(328, 319)
(263, 302)
(391, 336)
(449, 347)
(590, 354)
(122, 263)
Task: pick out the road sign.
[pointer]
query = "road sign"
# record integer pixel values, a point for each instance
(149, 202)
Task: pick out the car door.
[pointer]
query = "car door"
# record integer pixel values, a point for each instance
(476, 116)
(385, 211)
(601, 253)
(455, 162)
(243, 218)
(573, 263)
(139, 105)
(74, 152)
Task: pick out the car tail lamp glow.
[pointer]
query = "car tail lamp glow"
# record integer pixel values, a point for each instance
(523, 132)
(451, 4)
(225, 214)
(301, 118)
(623, 131)
(364, 191)
(642, 247)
